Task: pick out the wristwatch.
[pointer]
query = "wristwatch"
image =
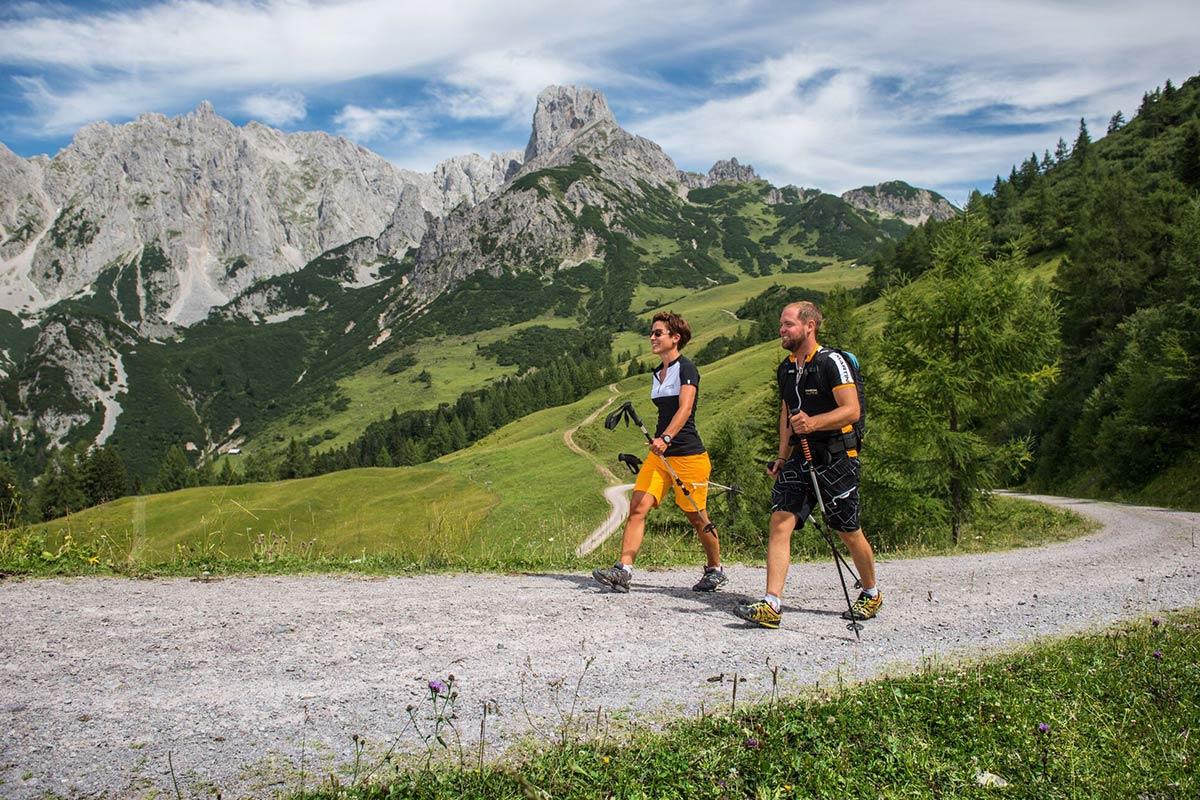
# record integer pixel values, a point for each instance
(666, 437)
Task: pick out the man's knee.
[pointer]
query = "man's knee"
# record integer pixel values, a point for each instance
(782, 523)
(854, 538)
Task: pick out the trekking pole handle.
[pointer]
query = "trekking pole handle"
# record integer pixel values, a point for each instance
(804, 448)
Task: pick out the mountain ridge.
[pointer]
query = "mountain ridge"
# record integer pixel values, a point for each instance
(592, 214)
(209, 194)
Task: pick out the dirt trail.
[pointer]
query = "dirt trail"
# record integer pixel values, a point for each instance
(102, 678)
(615, 495)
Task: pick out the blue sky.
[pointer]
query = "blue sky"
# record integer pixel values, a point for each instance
(834, 95)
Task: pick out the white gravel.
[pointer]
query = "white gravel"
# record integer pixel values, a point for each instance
(102, 678)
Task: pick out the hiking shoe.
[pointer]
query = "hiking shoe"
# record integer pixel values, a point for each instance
(713, 579)
(614, 577)
(760, 614)
(865, 606)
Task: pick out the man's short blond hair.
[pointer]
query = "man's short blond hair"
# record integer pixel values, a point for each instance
(806, 311)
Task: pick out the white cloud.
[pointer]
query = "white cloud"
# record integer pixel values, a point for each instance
(941, 93)
(833, 95)
(280, 108)
(488, 53)
(368, 124)
(505, 83)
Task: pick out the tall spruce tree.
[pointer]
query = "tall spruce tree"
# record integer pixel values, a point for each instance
(58, 492)
(967, 351)
(103, 476)
(175, 472)
(1083, 143)
(227, 477)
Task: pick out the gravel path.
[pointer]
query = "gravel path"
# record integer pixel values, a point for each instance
(102, 678)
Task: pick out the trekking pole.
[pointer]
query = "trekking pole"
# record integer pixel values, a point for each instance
(625, 411)
(854, 625)
(829, 541)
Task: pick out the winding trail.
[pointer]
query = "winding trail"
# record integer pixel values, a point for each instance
(102, 678)
(615, 495)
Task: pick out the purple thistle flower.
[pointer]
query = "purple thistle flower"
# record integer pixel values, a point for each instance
(1155, 622)
(436, 686)
(1158, 655)
(753, 743)
(1043, 727)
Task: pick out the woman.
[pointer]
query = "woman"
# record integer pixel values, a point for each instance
(676, 443)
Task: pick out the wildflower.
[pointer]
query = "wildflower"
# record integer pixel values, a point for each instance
(605, 760)
(753, 743)
(1158, 655)
(1155, 622)
(1043, 727)
(436, 686)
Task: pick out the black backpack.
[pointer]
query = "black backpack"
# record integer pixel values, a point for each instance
(860, 426)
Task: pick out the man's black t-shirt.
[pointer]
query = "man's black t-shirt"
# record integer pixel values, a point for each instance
(809, 388)
(664, 391)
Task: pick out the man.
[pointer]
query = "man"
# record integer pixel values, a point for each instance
(819, 403)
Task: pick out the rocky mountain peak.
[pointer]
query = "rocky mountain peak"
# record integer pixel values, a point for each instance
(563, 111)
(899, 200)
(197, 210)
(724, 171)
(731, 170)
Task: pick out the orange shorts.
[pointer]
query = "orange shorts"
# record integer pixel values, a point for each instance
(653, 479)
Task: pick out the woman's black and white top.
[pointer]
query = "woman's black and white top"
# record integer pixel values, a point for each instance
(664, 391)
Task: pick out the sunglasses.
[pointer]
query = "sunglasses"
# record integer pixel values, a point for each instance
(654, 334)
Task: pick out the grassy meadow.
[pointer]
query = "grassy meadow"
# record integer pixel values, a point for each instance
(518, 499)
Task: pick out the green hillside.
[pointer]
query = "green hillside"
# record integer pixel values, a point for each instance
(1119, 217)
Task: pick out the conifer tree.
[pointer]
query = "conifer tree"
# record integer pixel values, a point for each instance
(206, 474)
(842, 327)
(1061, 151)
(103, 476)
(967, 350)
(1187, 158)
(296, 461)
(257, 468)
(1083, 141)
(227, 477)
(58, 492)
(409, 453)
(1116, 122)
(175, 472)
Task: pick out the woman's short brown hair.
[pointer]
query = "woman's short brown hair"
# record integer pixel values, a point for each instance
(675, 324)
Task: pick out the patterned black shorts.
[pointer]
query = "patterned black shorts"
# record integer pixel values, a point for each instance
(793, 491)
